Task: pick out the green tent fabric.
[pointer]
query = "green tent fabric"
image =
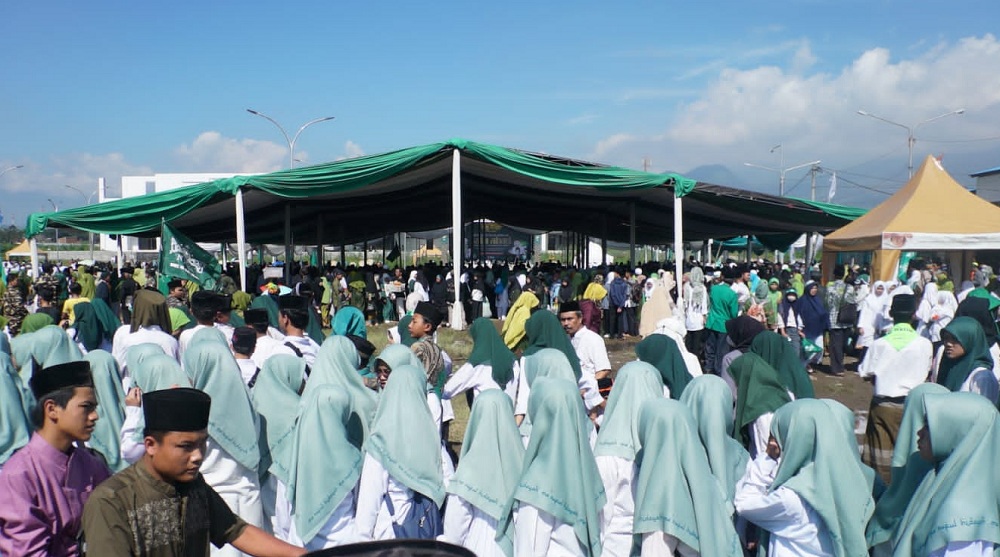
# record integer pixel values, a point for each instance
(908, 467)
(404, 438)
(780, 355)
(488, 348)
(635, 383)
(110, 408)
(274, 394)
(758, 391)
(325, 464)
(544, 331)
(666, 357)
(269, 304)
(810, 465)
(711, 402)
(560, 475)
(841, 211)
(959, 499)
(675, 491)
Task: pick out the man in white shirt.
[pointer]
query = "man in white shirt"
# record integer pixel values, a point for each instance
(204, 306)
(294, 318)
(898, 362)
(266, 344)
(740, 287)
(243, 341)
(223, 310)
(589, 346)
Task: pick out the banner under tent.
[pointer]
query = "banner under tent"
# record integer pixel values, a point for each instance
(931, 213)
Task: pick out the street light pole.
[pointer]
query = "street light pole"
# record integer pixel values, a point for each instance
(781, 171)
(291, 141)
(9, 168)
(911, 131)
(55, 208)
(89, 198)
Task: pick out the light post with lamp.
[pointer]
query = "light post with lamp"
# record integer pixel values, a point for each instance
(291, 141)
(781, 170)
(911, 131)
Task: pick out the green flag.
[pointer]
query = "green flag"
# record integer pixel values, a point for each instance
(183, 259)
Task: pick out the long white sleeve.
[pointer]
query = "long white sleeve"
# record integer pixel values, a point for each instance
(130, 450)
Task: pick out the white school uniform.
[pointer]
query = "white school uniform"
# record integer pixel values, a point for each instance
(467, 526)
(618, 476)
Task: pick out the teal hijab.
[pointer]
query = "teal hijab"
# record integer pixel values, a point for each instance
(492, 457)
(403, 328)
(812, 466)
(337, 364)
(314, 329)
(780, 355)
(969, 333)
(349, 321)
(109, 321)
(232, 422)
(560, 475)
(404, 437)
(137, 354)
(89, 331)
(325, 464)
(268, 304)
(908, 468)
(155, 371)
(758, 390)
(548, 362)
(15, 424)
(489, 349)
(636, 383)
(209, 334)
(110, 408)
(395, 355)
(845, 417)
(48, 346)
(543, 330)
(711, 403)
(959, 498)
(662, 352)
(273, 396)
(675, 491)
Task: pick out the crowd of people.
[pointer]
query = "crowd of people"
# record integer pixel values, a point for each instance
(183, 422)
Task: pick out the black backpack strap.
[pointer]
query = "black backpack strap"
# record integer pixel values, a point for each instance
(298, 353)
(253, 380)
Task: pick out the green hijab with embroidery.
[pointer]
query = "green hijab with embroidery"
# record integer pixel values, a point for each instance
(779, 354)
(49, 346)
(635, 383)
(543, 330)
(274, 394)
(337, 364)
(666, 357)
(325, 465)
(711, 403)
(492, 457)
(16, 430)
(547, 362)
(959, 498)
(812, 465)
(675, 491)
(349, 321)
(404, 437)
(110, 408)
(560, 475)
(758, 390)
(952, 373)
(908, 468)
(232, 422)
(489, 349)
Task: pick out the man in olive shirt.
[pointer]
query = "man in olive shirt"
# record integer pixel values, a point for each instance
(161, 505)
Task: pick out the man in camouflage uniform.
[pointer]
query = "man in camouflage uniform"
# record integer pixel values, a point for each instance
(46, 281)
(12, 305)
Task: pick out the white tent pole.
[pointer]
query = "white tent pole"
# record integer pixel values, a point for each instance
(241, 239)
(457, 314)
(34, 258)
(679, 250)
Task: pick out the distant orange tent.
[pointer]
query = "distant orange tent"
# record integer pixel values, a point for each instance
(932, 212)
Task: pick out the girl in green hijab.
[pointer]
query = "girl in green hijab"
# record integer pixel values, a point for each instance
(782, 356)
(48, 346)
(544, 331)
(678, 504)
(34, 322)
(662, 352)
(324, 471)
(966, 362)
(87, 330)
(547, 362)
(759, 393)
(617, 445)
(337, 364)
(956, 508)
(110, 408)
(490, 465)
(491, 365)
(559, 494)
(801, 492)
(403, 456)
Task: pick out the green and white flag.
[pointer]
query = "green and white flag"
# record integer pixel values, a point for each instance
(181, 258)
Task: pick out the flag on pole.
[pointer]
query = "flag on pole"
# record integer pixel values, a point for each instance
(833, 187)
(181, 258)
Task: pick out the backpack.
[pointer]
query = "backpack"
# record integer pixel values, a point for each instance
(422, 522)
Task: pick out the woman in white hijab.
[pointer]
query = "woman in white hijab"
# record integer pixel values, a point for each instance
(925, 313)
(871, 317)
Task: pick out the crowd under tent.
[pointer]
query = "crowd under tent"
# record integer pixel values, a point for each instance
(446, 184)
(931, 213)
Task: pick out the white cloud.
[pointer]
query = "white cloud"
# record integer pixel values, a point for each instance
(743, 112)
(585, 118)
(212, 152)
(80, 170)
(351, 150)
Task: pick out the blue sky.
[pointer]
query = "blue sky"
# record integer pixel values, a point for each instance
(112, 88)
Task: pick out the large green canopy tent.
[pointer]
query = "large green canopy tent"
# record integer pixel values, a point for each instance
(436, 185)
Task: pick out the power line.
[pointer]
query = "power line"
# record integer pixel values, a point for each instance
(978, 139)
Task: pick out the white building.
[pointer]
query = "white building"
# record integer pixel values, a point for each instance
(988, 184)
(134, 186)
